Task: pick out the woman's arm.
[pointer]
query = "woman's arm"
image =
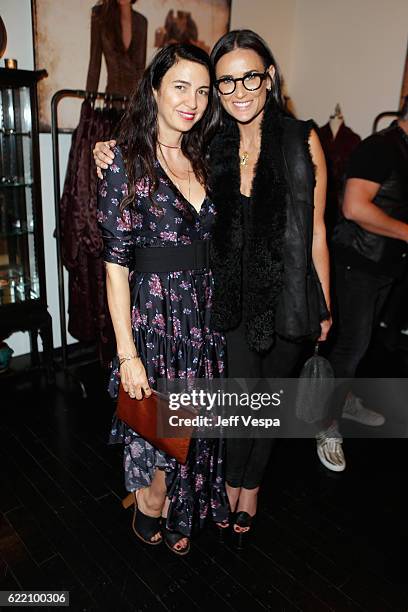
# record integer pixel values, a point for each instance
(118, 246)
(320, 252)
(117, 288)
(132, 372)
(358, 206)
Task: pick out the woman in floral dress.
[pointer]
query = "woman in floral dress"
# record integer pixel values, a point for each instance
(155, 199)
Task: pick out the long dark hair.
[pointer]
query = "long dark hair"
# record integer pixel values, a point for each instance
(138, 130)
(247, 39)
(109, 16)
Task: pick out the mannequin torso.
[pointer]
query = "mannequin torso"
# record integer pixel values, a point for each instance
(335, 123)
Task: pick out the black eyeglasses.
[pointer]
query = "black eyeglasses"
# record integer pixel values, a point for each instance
(251, 82)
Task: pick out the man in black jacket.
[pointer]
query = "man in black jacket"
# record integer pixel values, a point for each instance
(370, 253)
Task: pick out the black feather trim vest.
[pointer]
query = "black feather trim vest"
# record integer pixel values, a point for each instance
(278, 236)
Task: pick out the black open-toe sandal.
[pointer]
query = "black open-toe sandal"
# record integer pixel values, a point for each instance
(242, 519)
(145, 527)
(171, 538)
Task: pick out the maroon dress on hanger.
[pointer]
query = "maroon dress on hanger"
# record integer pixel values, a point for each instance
(337, 151)
(124, 66)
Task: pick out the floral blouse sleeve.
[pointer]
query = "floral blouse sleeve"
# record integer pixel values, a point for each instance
(116, 226)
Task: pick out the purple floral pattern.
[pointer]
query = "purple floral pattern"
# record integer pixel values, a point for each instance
(170, 314)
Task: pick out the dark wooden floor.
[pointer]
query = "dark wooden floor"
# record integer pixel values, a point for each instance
(323, 541)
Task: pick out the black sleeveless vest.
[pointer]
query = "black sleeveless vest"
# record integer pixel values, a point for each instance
(392, 198)
(279, 271)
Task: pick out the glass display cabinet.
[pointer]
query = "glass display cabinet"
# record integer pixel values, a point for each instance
(23, 305)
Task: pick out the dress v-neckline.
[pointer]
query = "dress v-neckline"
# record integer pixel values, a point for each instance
(132, 34)
(173, 184)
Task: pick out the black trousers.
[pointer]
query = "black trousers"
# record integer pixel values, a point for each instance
(395, 312)
(246, 459)
(359, 299)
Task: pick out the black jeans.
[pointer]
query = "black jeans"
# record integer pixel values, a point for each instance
(359, 298)
(247, 458)
(395, 312)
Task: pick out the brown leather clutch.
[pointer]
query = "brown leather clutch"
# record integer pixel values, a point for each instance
(149, 416)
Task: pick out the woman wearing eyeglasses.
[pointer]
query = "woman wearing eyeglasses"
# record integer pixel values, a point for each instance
(268, 183)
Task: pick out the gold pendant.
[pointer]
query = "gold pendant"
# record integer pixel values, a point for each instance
(244, 158)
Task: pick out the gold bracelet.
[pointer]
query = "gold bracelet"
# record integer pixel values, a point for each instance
(124, 358)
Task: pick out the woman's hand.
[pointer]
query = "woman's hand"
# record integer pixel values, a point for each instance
(324, 329)
(103, 156)
(134, 379)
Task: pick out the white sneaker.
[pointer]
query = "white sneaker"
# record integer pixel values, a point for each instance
(354, 410)
(329, 449)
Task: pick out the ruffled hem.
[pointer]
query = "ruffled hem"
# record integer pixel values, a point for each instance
(196, 490)
(173, 358)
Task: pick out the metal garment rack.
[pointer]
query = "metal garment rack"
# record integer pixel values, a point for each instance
(381, 116)
(399, 113)
(56, 99)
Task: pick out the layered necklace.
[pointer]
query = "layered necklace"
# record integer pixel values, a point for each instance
(169, 170)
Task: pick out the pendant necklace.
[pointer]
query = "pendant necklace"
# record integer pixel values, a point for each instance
(174, 174)
(243, 158)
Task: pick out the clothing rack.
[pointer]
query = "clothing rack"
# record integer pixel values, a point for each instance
(381, 116)
(56, 99)
(402, 112)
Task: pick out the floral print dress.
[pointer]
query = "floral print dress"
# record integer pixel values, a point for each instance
(170, 314)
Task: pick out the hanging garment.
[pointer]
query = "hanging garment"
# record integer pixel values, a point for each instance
(81, 243)
(337, 151)
(124, 66)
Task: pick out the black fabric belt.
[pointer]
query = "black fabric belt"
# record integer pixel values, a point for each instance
(193, 256)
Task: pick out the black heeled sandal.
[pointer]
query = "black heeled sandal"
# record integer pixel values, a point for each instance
(145, 527)
(242, 519)
(171, 538)
(223, 528)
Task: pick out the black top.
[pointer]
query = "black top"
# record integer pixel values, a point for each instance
(245, 202)
(279, 234)
(374, 159)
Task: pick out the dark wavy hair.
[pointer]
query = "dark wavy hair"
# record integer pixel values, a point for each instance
(247, 39)
(138, 129)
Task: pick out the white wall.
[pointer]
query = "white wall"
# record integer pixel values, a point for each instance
(351, 52)
(16, 15)
(274, 20)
